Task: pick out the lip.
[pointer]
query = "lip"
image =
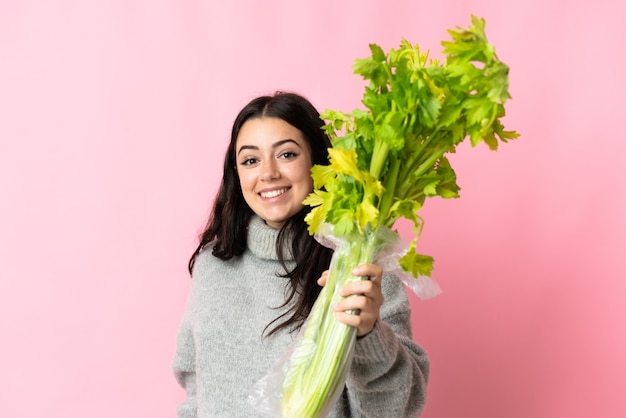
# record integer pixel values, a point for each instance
(273, 192)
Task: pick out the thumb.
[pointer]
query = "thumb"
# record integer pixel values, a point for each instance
(322, 280)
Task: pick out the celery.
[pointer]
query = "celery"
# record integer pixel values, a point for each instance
(317, 368)
(388, 159)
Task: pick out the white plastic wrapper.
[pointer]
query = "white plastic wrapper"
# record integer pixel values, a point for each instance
(424, 287)
(310, 376)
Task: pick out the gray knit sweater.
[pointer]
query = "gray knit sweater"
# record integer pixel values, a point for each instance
(221, 352)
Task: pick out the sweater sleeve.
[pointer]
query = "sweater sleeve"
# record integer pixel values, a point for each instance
(184, 371)
(389, 371)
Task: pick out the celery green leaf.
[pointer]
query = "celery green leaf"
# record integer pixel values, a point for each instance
(389, 157)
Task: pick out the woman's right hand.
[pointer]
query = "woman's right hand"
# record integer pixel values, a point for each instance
(363, 296)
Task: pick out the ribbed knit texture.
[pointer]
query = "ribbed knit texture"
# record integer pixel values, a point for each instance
(221, 352)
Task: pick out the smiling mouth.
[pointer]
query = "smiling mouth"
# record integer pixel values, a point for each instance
(273, 193)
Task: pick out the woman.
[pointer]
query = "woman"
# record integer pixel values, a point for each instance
(255, 278)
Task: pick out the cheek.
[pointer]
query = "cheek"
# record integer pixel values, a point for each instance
(245, 181)
(310, 184)
(307, 180)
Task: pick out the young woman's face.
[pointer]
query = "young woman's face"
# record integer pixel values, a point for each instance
(274, 167)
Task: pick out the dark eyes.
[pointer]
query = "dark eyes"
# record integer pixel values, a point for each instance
(249, 161)
(287, 155)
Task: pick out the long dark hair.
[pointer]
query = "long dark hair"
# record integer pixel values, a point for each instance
(226, 229)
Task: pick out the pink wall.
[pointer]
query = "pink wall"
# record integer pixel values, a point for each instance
(113, 119)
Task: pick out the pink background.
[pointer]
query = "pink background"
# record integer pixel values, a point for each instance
(114, 116)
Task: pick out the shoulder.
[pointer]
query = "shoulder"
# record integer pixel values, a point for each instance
(207, 265)
(206, 259)
(203, 260)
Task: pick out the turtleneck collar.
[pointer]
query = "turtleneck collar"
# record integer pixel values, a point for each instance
(262, 240)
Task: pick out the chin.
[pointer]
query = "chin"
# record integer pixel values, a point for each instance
(277, 221)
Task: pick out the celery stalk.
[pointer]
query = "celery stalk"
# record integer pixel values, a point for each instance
(318, 367)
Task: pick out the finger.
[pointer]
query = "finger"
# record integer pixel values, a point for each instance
(322, 280)
(372, 271)
(357, 287)
(370, 289)
(363, 323)
(355, 303)
(349, 319)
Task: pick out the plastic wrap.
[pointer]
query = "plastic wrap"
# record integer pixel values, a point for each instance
(307, 380)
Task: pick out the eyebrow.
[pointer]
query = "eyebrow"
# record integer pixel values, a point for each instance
(274, 145)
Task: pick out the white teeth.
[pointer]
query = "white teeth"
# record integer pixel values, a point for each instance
(273, 193)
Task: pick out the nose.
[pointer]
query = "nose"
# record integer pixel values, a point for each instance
(269, 170)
